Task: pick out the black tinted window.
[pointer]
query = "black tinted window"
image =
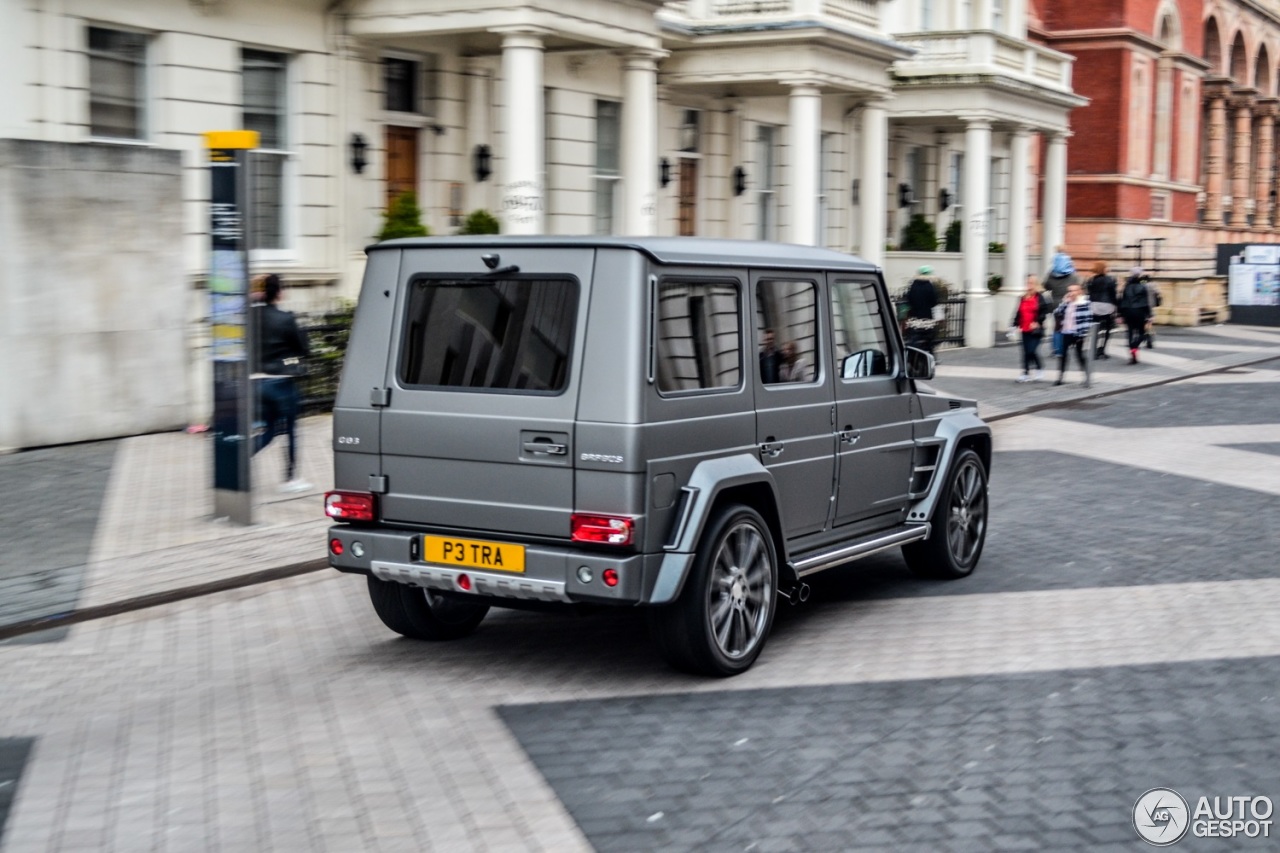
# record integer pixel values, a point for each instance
(510, 334)
(699, 336)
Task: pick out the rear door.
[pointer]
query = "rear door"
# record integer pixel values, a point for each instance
(874, 429)
(479, 430)
(794, 399)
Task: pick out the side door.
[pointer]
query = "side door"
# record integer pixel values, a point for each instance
(794, 397)
(874, 429)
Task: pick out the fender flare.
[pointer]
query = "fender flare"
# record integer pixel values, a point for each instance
(953, 428)
(709, 480)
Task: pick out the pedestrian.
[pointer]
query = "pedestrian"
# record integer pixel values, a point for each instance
(1062, 272)
(1155, 301)
(282, 347)
(922, 299)
(1135, 308)
(1073, 316)
(1028, 318)
(795, 368)
(770, 358)
(1103, 299)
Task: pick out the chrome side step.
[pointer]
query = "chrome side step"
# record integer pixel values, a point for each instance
(813, 563)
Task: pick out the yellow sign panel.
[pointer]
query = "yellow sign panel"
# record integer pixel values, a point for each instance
(473, 554)
(231, 139)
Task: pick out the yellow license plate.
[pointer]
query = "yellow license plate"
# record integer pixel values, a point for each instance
(473, 554)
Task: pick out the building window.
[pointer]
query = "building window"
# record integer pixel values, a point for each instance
(689, 131)
(997, 15)
(265, 98)
(608, 174)
(400, 78)
(766, 197)
(117, 84)
(957, 176)
(926, 14)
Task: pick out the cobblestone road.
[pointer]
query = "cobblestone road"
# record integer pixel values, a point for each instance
(1120, 635)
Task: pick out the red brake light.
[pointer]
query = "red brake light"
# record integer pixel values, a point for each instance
(610, 577)
(335, 546)
(349, 506)
(605, 529)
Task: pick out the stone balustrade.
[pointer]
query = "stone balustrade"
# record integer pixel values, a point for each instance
(966, 52)
(858, 13)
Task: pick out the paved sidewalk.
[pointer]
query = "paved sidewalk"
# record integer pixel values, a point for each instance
(155, 539)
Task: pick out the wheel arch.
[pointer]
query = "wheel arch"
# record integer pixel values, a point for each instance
(962, 431)
(716, 483)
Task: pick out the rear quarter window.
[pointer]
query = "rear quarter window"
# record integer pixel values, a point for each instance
(513, 334)
(699, 336)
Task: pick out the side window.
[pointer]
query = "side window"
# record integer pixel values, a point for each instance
(787, 331)
(699, 336)
(858, 320)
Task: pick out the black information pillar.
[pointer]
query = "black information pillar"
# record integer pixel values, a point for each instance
(232, 333)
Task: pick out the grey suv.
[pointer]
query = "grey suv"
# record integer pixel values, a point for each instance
(693, 426)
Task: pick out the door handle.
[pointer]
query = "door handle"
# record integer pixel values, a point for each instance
(545, 448)
(849, 436)
(772, 449)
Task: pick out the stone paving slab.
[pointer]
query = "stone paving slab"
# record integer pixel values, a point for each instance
(13, 757)
(1043, 761)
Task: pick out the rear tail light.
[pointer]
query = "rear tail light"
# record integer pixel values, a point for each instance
(335, 547)
(604, 529)
(349, 506)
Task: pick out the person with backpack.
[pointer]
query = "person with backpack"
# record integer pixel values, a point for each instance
(921, 299)
(1062, 272)
(1028, 318)
(1135, 308)
(1102, 296)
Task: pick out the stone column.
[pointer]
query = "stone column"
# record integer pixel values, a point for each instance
(1055, 196)
(1264, 214)
(979, 324)
(875, 143)
(523, 196)
(1015, 253)
(1215, 163)
(804, 143)
(640, 143)
(1243, 106)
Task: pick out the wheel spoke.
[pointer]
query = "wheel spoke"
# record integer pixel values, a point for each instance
(726, 625)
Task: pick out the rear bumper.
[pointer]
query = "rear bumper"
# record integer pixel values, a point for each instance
(552, 574)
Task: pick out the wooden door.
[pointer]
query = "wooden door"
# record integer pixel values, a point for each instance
(402, 161)
(688, 196)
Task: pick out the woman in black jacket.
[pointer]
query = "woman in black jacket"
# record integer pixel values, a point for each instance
(1103, 301)
(1135, 307)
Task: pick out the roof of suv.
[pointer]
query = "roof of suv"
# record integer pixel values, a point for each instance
(664, 250)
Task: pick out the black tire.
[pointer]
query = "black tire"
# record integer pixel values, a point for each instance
(423, 614)
(719, 624)
(959, 524)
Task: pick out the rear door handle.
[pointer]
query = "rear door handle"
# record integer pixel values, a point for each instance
(849, 436)
(772, 449)
(546, 448)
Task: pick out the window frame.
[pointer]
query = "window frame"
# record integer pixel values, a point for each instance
(655, 292)
(143, 86)
(481, 278)
(766, 188)
(289, 126)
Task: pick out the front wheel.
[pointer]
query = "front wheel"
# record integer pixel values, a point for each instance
(423, 614)
(959, 524)
(720, 623)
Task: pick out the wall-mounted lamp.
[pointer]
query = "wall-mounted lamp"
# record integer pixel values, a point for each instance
(944, 199)
(739, 180)
(664, 172)
(482, 162)
(438, 129)
(358, 147)
(906, 197)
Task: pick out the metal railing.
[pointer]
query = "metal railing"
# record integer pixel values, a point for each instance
(949, 331)
(319, 387)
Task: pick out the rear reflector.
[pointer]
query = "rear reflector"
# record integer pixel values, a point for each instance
(335, 547)
(605, 529)
(610, 577)
(349, 506)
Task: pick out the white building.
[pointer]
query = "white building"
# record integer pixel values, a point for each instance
(811, 121)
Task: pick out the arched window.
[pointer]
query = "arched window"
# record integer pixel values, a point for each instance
(1213, 47)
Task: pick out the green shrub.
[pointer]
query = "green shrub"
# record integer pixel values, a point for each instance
(403, 218)
(995, 248)
(994, 283)
(919, 235)
(953, 236)
(480, 222)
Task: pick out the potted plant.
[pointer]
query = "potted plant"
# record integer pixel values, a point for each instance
(403, 218)
(480, 222)
(953, 236)
(919, 235)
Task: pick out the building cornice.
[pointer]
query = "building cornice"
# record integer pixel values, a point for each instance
(991, 81)
(1070, 41)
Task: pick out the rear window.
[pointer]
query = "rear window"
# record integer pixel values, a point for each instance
(510, 334)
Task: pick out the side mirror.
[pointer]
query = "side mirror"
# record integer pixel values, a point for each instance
(920, 364)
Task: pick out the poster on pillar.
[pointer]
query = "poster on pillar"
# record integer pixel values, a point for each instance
(1253, 284)
(522, 206)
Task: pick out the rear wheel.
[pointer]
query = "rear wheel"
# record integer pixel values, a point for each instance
(722, 619)
(423, 614)
(959, 524)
